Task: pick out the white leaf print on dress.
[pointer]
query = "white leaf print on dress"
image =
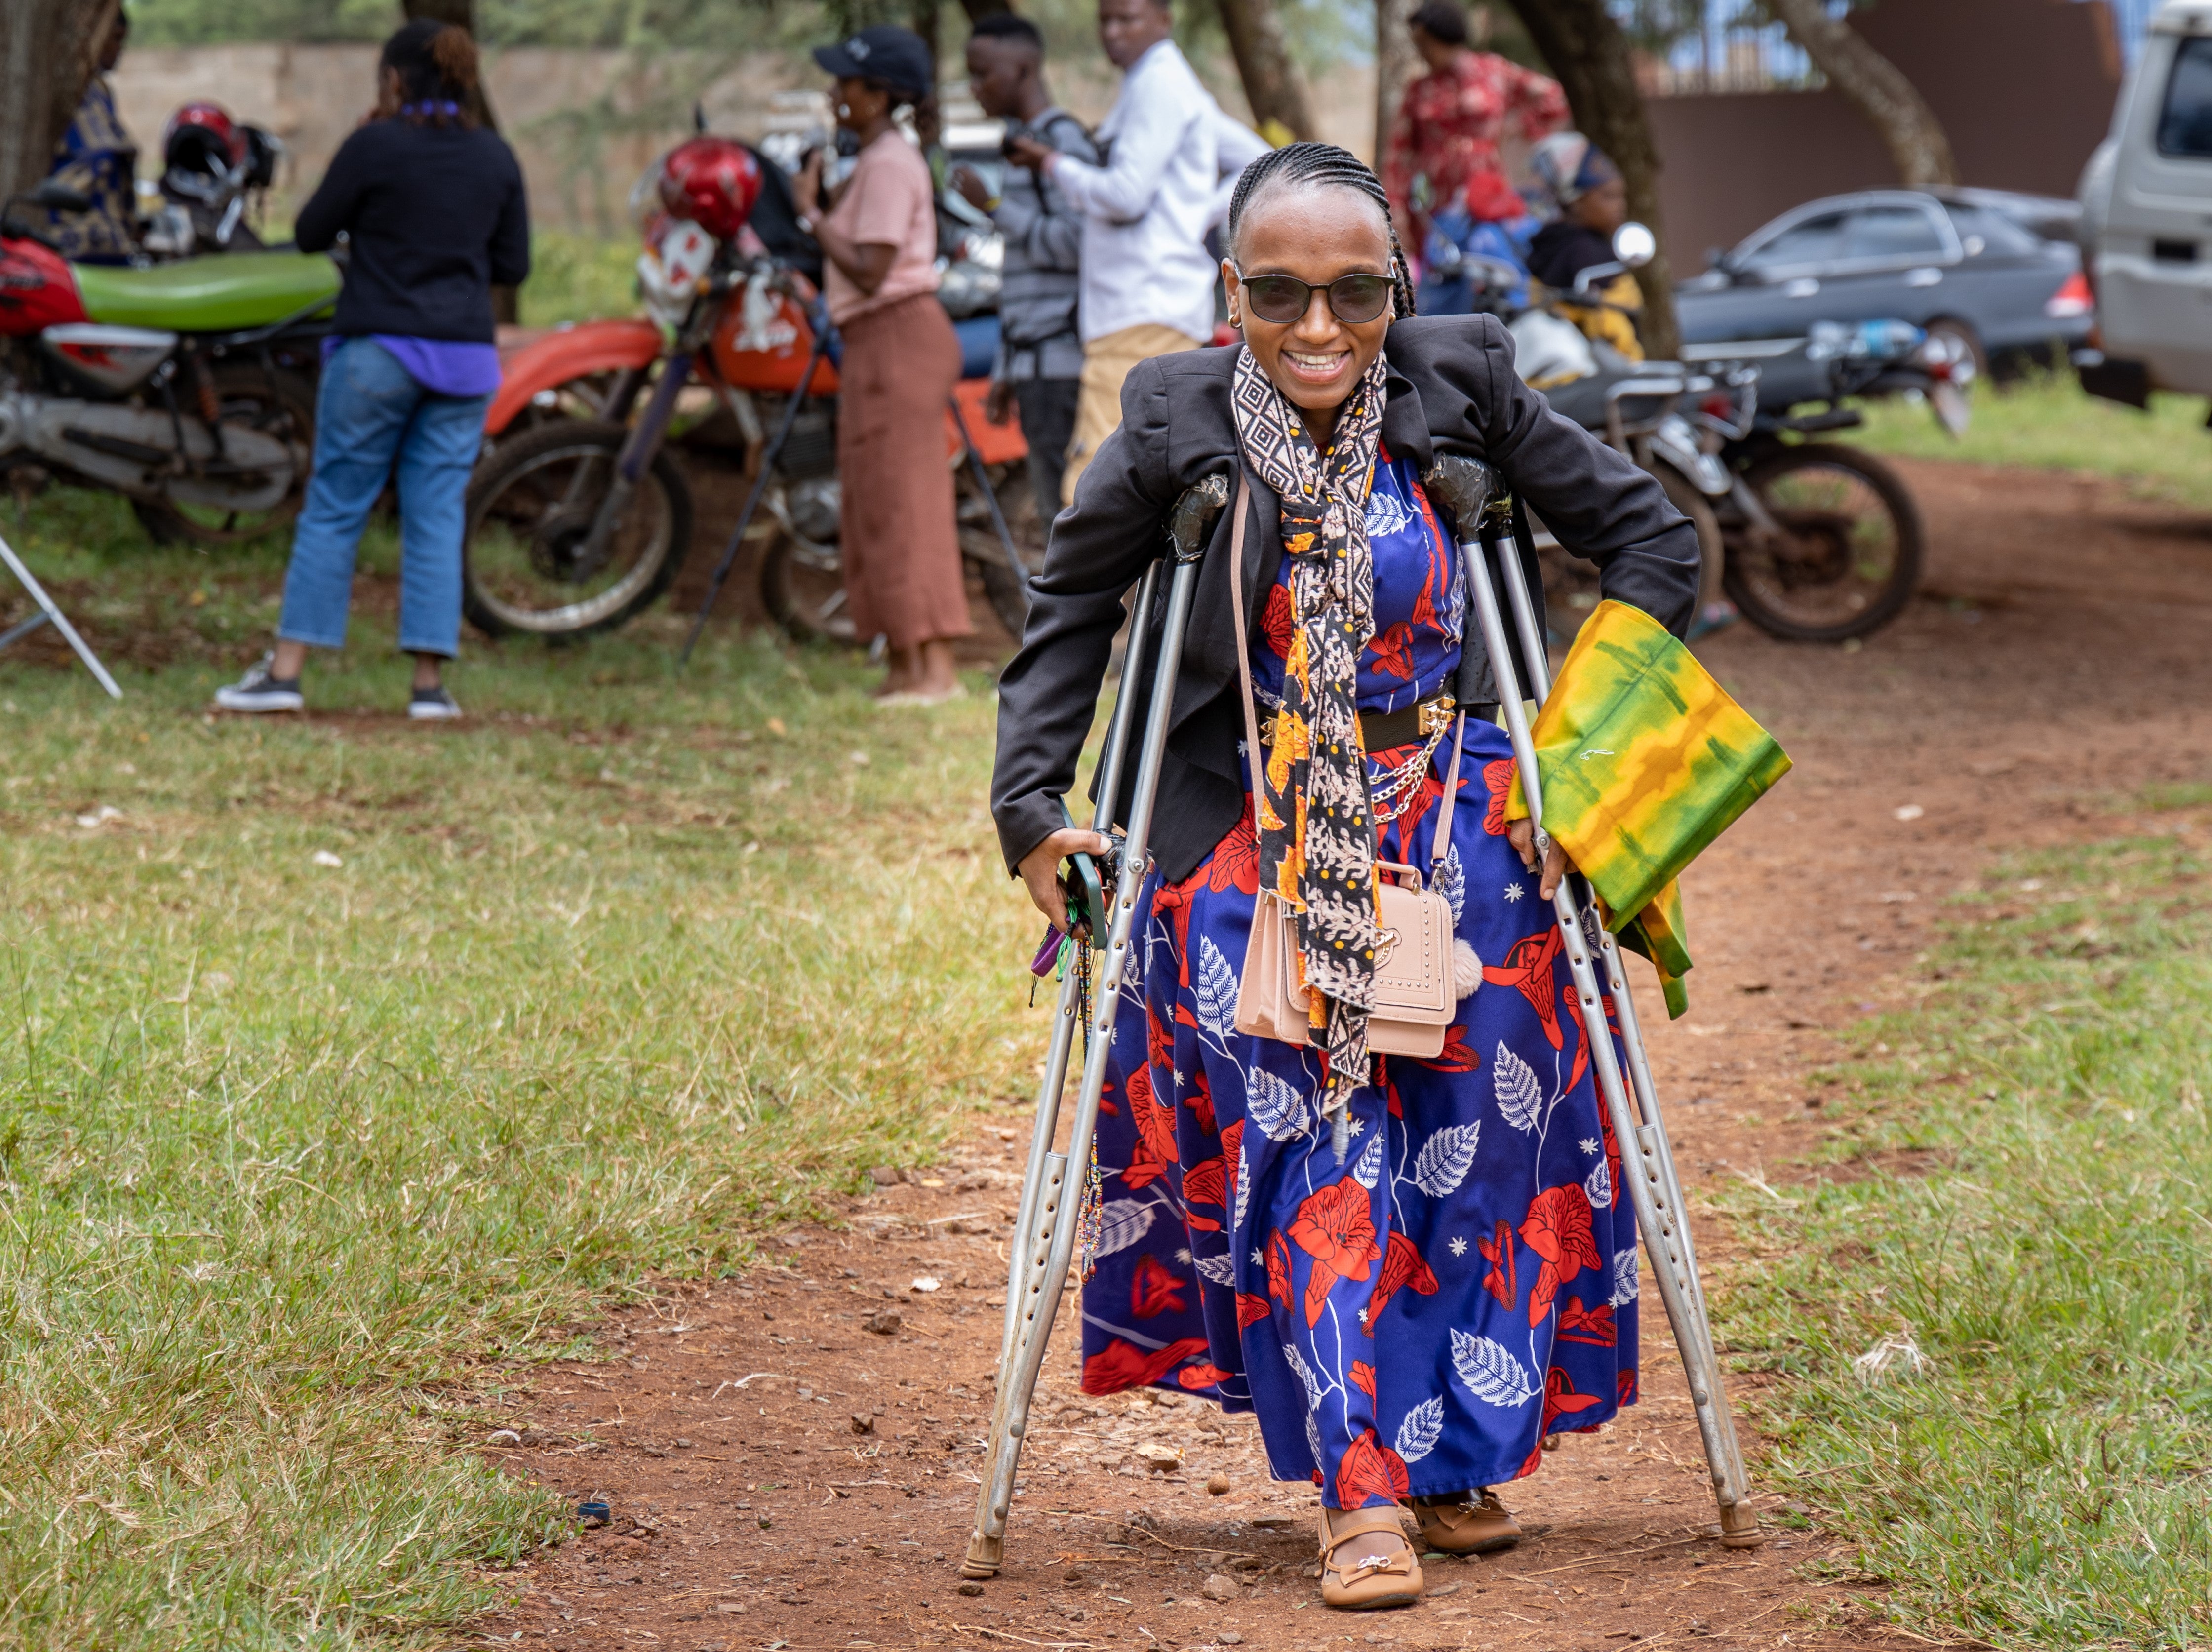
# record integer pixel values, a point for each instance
(1304, 1373)
(1599, 1186)
(1451, 882)
(1278, 1107)
(1222, 1270)
(1623, 1275)
(1367, 1169)
(1423, 1427)
(1243, 1189)
(1313, 1438)
(1442, 1162)
(1386, 513)
(1520, 1097)
(1491, 1372)
(1122, 1222)
(1213, 984)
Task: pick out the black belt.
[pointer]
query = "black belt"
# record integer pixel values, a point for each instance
(1379, 731)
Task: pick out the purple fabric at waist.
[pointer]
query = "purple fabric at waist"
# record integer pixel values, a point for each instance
(443, 367)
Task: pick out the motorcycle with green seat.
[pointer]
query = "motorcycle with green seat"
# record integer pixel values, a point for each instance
(187, 387)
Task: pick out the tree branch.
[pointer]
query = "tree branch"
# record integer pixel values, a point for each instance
(1271, 84)
(1892, 104)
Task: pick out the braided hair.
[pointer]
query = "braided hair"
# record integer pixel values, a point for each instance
(1303, 166)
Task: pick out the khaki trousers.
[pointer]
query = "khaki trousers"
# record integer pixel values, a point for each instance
(1106, 363)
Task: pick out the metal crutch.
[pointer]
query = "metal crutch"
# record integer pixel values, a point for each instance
(1045, 1235)
(1465, 487)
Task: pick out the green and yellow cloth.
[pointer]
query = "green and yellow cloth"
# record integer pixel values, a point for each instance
(1645, 760)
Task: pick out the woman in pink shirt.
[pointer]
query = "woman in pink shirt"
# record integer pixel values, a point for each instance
(901, 561)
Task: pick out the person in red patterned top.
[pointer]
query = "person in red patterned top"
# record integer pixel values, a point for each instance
(1450, 121)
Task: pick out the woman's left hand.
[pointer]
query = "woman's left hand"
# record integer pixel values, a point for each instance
(807, 186)
(1521, 835)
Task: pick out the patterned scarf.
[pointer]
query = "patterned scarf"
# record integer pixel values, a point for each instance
(1316, 821)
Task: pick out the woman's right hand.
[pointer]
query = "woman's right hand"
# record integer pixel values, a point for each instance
(1040, 868)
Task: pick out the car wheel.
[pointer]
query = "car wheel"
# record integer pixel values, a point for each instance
(1968, 347)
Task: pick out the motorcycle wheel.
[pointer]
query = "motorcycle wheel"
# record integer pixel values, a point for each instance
(1007, 588)
(803, 588)
(530, 510)
(1849, 556)
(276, 403)
(1571, 585)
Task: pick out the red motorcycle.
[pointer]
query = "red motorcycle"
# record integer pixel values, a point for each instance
(578, 516)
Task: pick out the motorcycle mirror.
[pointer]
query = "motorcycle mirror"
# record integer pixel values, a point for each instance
(699, 115)
(57, 196)
(1634, 245)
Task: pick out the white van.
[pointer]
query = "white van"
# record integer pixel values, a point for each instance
(2147, 218)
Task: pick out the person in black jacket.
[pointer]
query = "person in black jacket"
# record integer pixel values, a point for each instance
(1411, 1271)
(432, 209)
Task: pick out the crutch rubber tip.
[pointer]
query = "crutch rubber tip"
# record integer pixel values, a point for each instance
(1740, 1527)
(984, 1554)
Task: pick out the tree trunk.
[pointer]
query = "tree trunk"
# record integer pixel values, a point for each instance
(1395, 64)
(1272, 85)
(977, 10)
(1586, 50)
(505, 301)
(1892, 104)
(47, 49)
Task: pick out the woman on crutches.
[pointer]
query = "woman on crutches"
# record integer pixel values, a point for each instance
(1411, 1270)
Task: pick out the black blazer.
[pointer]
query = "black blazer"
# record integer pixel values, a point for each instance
(1452, 389)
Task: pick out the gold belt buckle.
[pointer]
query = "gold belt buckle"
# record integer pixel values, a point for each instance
(1436, 716)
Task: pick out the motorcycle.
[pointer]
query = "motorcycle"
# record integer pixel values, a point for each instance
(178, 385)
(578, 516)
(1811, 541)
(215, 171)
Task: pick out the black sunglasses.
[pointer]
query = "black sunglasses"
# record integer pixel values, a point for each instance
(1353, 300)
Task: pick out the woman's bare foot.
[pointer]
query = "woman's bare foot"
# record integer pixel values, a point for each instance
(902, 673)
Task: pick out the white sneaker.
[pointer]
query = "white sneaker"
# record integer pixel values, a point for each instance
(432, 706)
(260, 691)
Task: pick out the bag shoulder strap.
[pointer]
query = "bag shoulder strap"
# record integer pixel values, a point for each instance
(1243, 643)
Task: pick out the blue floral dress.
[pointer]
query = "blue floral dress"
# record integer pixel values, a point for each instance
(1413, 1321)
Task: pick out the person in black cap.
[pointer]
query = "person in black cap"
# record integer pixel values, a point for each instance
(879, 236)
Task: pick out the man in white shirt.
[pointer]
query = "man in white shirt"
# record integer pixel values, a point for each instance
(1171, 157)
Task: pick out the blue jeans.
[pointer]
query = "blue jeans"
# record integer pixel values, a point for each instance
(370, 411)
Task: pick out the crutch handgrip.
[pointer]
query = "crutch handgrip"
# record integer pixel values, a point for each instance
(1203, 501)
(1462, 486)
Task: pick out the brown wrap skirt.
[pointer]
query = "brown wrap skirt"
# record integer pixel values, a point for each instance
(902, 559)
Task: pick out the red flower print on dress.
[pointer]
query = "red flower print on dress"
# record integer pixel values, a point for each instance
(1250, 1310)
(1154, 1290)
(1624, 1387)
(1362, 1377)
(1402, 1265)
(1370, 1469)
(1155, 1123)
(1334, 1227)
(1233, 1141)
(1236, 861)
(1174, 899)
(1143, 1169)
(1391, 655)
(1530, 970)
(1279, 1268)
(1535, 1462)
(1278, 621)
(1591, 1325)
(1560, 1399)
(1498, 1250)
(1204, 1184)
(1498, 780)
(1558, 1229)
(1455, 1056)
(1122, 1364)
(1203, 1376)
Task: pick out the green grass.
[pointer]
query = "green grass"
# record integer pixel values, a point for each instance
(294, 1155)
(2046, 420)
(578, 278)
(2025, 1194)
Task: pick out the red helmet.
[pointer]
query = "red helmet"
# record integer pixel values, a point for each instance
(199, 133)
(713, 182)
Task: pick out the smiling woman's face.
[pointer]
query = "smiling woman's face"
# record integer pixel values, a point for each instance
(1319, 234)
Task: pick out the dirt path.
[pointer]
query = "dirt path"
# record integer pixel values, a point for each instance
(784, 1475)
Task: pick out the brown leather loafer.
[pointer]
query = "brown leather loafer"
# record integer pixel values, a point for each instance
(1393, 1579)
(1474, 1524)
